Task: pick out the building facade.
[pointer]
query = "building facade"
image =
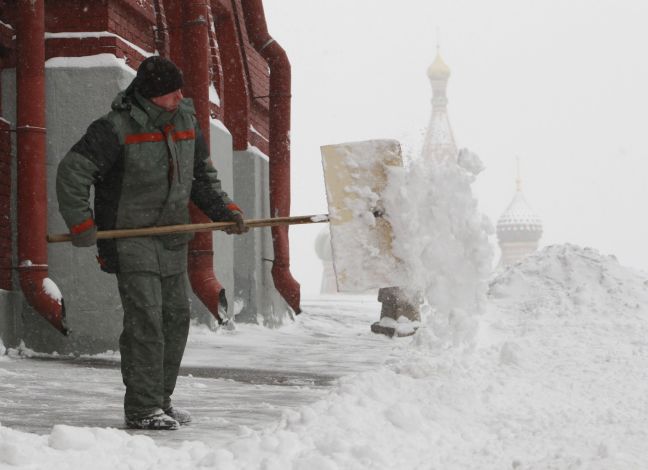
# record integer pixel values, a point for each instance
(61, 64)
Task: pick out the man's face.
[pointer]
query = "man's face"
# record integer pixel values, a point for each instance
(170, 101)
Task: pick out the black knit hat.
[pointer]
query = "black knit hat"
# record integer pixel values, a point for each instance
(157, 76)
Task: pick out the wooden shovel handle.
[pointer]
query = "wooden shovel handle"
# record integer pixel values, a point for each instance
(207, 227)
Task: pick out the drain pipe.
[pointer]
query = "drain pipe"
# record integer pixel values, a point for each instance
(277, 60)
(196, 49)
(39, 290)
(161, 29)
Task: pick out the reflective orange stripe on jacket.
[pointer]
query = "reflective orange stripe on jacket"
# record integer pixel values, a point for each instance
(159, 137)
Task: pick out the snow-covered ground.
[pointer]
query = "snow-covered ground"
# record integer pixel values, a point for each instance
(543, 367)
(228, 379)
(555, 378)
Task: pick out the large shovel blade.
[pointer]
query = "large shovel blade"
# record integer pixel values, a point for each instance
(355, 176)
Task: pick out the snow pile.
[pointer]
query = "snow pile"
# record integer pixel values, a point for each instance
(560, 383)
(546, 391)
(80, 448)
(442, 239)
(564, 280)
(22, 351)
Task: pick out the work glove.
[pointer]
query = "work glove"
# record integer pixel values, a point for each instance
(237, 216)
(240, 226)
(84, 234)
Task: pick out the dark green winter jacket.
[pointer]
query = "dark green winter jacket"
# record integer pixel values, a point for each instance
(145, 164)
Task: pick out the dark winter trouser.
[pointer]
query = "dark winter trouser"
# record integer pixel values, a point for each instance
(396, 302)
(156, 325)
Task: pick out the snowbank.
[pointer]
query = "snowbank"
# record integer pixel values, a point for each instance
(80, 448)
(560, 383)
(547, 393)
(543, 368)
(566, 280)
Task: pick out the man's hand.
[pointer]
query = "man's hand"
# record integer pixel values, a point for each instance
(84, 234)
(240, 226)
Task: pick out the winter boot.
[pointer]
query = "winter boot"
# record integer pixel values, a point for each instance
(180, 415)
(380, 328)
(156, 421)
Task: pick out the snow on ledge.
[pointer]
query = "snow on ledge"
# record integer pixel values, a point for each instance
(258, 153)
(96, 34)
(213, 95)
(89, 61)
(219, 124)
(253, 129)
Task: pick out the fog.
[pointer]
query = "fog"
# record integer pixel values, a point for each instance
(561, 85)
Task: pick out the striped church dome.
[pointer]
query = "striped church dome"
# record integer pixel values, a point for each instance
(519, 222)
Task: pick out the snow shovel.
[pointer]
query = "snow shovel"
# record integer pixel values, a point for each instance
(356, 176)
(205, 227)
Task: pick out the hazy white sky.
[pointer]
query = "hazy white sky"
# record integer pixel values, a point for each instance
(563, 84)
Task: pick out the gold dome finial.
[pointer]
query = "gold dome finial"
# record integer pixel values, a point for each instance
(518, 180)
(438, 70)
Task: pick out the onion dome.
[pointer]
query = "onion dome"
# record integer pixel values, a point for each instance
(519, 223)
(438, 70)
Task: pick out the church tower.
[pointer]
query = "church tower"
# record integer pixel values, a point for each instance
(439, 140)
(519, 229)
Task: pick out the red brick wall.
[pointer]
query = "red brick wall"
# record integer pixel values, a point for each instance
(132, 20)
(73, 47)
(76, 15)
(5, 206)
(259, 83)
